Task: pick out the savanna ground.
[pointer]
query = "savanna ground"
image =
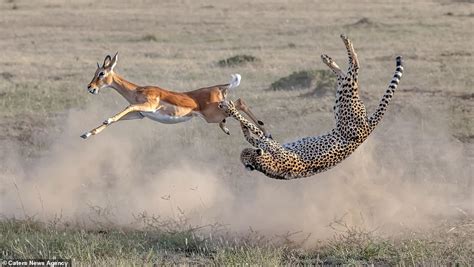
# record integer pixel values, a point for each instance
(142, 192)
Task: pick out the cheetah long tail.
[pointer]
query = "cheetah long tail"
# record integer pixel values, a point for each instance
(376, 117)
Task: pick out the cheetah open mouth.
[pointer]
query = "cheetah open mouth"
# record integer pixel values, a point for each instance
(249, 167)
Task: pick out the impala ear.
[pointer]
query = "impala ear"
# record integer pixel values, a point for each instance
(107, 61)
(114, 61)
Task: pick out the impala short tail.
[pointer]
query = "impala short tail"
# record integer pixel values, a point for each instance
(233, 83)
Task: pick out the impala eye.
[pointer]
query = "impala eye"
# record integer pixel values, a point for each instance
(101, 74)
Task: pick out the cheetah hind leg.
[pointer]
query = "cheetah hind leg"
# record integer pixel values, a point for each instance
(353, 69)
(332, 65)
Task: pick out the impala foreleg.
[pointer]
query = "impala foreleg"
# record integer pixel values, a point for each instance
(145, 107)
(130, 113)
(94, 131)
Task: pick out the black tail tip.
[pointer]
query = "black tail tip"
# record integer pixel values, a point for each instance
(399, 60)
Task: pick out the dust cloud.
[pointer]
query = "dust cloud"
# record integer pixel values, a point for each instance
(409, 173)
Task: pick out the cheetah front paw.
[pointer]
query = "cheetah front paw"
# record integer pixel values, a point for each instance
(344, 38)
(226, 105)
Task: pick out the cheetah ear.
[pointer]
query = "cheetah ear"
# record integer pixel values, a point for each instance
(259, 151)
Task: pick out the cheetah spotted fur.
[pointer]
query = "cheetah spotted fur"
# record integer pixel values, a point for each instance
(311, 155)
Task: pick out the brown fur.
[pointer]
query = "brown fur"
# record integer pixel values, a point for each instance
(143, 99)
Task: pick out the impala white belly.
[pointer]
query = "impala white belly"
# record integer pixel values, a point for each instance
(170, 114)
(165, 118)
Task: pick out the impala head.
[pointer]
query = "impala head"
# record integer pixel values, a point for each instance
(103, 75)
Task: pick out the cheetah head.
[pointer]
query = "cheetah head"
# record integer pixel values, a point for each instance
(252, 158)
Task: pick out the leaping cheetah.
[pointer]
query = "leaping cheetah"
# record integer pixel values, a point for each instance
(311, 155)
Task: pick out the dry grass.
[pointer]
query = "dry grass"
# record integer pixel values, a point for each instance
(168, 242)
(49, 50)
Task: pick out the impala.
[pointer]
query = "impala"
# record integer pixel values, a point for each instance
(163, 105)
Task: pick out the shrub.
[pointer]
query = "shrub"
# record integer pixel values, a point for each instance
(237, 60)
(320, 80)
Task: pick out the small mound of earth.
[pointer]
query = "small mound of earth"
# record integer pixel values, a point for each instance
(320, 81)
(237, 60)
(6, 75)
(148, 38)
(364, 22)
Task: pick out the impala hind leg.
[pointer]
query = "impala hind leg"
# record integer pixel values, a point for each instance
(242, 106)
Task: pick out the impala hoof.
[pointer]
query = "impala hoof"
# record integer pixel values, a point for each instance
(86, 135)
(225, 130)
